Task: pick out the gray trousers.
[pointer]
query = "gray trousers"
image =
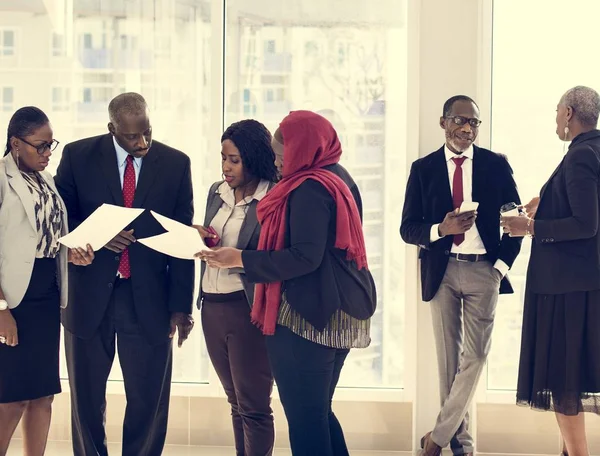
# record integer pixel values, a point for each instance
(463, 318)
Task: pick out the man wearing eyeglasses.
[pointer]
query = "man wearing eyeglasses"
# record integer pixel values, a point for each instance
(135, 299)
(464, 260)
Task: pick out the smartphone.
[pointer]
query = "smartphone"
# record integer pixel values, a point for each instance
(468, 206)
(212, 242)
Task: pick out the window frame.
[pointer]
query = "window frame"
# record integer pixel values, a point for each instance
(216, 103)
(485, 395)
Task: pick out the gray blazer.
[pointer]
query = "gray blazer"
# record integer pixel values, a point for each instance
(18, 235)
(248, 239)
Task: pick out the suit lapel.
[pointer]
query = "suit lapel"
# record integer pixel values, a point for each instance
(579, 139)
(108, 164)
(150, 167)
(551, 177)
(214, 204)
(250, 223)
(248, 227)
(17, 183)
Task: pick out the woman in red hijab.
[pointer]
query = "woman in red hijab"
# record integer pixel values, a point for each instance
(314, 295)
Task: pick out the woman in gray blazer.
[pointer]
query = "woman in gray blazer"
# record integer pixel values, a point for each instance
(33, 280)
(235, 346)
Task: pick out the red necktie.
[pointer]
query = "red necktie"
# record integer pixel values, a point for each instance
(128, 194)
(457, 192)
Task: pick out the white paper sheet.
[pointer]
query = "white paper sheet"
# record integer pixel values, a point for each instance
(101, 226)
(175, 245)
(180, 241)
(173, 225)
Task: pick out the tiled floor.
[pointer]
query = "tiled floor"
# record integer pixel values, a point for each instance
(64, 449)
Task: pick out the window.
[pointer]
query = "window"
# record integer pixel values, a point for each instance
(87, 41)
(128, 42)
(7, 43)
(311, 49)
(249, 108)
(532, 147)
(7, 99)
(270, 47)
(61, 98)
(58, 45)
(264, 59)
(99, 94)
(84, 85)
(87, 95)
(352, 96)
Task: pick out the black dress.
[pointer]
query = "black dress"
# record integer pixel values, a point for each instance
(559, 369)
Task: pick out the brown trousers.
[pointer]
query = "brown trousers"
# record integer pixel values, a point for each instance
(239, 355)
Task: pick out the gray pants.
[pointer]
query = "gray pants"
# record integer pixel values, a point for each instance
(463, 318)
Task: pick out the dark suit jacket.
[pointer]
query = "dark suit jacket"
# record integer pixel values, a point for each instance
(565, 254)
(248, 239)
(87, 177)
(317, 278)
(429, 198)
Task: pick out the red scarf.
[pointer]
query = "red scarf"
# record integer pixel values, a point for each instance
(310, 144)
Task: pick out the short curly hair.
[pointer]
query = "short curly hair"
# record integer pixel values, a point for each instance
(585, 103)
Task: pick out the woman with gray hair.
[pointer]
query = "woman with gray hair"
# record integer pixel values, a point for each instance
(559, 368)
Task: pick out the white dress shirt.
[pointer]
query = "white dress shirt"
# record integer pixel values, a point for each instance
(122, 162)
(472, 243)
(228, 223)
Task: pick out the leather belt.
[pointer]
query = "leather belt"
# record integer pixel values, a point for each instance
(469, 257)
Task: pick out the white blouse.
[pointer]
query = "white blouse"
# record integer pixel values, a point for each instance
(228, 223)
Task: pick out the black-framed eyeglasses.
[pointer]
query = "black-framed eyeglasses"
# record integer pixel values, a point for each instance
(460, 120)
(42, 148)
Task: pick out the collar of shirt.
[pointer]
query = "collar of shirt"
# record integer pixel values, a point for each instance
(228, 195)
(450, 155)
(122, 156)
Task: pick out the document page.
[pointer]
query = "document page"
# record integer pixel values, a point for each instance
(180, 241)
(101, 226)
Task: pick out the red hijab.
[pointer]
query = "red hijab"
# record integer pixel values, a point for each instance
(310, 144)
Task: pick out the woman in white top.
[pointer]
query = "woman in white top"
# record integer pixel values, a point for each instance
(235, 346)
(33, 280)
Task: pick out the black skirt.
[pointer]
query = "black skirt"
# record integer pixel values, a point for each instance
(559, 369)
(30, 370)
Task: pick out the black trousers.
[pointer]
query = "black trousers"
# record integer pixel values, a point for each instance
(306, 375)
(146, 373)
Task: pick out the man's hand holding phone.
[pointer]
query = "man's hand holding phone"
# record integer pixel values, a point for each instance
(460, 220)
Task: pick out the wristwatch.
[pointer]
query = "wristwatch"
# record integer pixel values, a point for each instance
(3, 304)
